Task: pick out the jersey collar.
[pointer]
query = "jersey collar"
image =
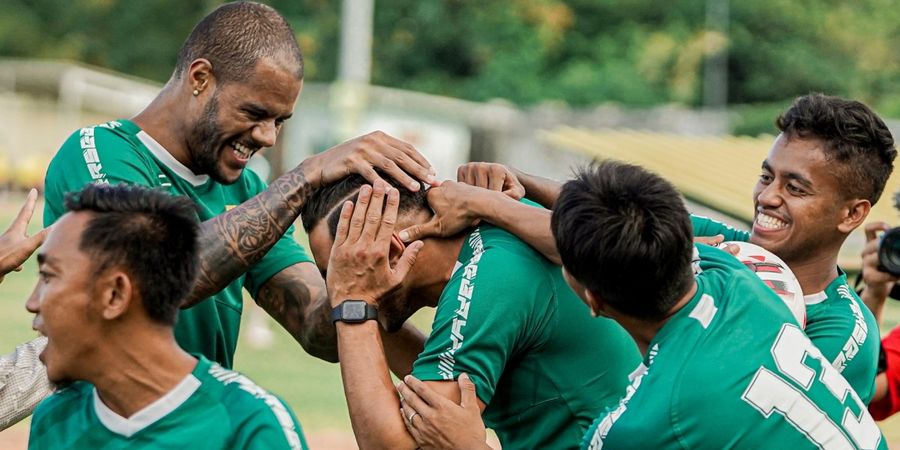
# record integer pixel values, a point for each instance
(150, 414)
(169, 161)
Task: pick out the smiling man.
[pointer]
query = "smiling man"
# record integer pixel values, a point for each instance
(236, 80)
(113, 272)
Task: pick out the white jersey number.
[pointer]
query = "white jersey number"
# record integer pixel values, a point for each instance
(770, 392)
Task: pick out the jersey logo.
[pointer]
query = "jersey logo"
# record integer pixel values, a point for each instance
(446, 360)
(89, 153)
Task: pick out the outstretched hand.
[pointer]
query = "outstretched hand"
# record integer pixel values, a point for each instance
(436, 422)
(362, 155)
(15, 244)
(491, 176)
(360, 266)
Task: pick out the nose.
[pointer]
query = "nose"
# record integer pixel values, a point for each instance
(767, 195)
(265, 133)
(33, 304)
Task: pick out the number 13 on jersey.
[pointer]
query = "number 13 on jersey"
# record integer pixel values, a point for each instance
(794, 391)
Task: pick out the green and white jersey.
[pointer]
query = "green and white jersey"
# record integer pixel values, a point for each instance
(212, 408)
(542, 365)
(837, 321)
(733, 370)
(120, 152)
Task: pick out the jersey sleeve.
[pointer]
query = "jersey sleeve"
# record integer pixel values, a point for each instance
(848, 340)
(92, 154)
(286, 252)
(485, 317)
(269, 428)
(704, 226)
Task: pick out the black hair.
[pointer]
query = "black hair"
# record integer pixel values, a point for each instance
(149, 234)
(625, 234)
(852, 134)
(324, 203)
(235, 37)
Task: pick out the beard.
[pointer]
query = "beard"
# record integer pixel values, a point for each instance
(205, 142)
(393, 310)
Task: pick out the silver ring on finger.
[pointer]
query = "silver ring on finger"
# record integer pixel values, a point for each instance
(412, 416)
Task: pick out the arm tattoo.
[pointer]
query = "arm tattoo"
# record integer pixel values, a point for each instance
(235, 240)
(296, 298)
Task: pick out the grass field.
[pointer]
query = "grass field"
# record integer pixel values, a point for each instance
(312, 387)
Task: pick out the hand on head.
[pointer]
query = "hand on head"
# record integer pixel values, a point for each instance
(15, 244)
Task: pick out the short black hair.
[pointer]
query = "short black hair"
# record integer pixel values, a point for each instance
(853, 135)
(149, 234)
(324, 202)
(235, 37)
(625, 234)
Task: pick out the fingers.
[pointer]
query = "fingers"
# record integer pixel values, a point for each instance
(388, 220)
(358, 219)
(873, 228)
(411, 400)
(408, 413)
(340, 235)
(710, 240)
(496, 180)
(732, 249)
(464, 174)
(423, 392)
(407, 259)
(374, 212)
(411, 161)
(431, 228)
(20, 224)
(468, 398)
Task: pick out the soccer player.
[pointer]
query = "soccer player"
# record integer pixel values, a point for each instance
(725, 366)
(541, 365)
(824, 172)
(113, 272)
(236, 80)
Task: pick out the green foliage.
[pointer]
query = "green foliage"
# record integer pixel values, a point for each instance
(582, 52)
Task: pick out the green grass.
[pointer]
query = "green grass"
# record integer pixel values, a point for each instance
(310, 386)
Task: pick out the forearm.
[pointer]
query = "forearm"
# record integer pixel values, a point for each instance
(542, 190)
(874, 296)
(530, 224)
(371, 398)
(235, 240)
(402, 348)
(296, 298)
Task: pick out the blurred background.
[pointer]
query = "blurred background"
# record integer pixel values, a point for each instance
(688, 88)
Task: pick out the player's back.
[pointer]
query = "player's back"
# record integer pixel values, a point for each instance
(732, 369)
(544, 366)
(213, 408)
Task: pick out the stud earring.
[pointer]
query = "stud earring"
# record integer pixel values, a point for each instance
(196, 92)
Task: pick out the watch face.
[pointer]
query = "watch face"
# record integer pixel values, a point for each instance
(354, 311)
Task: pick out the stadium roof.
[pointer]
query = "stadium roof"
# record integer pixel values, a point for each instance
(718, 172)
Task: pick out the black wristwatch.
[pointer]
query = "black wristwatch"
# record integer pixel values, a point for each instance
(353, 311)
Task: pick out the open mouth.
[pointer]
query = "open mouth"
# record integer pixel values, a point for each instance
(242, 151)
(767, 222)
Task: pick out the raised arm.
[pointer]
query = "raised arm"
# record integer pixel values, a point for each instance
(15, 244)
(233, 241)
(878, 283)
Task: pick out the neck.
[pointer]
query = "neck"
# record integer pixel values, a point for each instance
(437, 267)
(643, 331)
(129, 376)
(816, 272)
(163, 119)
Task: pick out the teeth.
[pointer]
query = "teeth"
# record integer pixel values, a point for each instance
(242, 151)
(769, 222)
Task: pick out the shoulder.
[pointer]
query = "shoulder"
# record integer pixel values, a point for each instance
(251, 408)
(62, 402)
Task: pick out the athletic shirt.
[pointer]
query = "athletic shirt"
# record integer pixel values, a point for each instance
(212, 408)
(542, 365)
(732, 369)
(120, 152)
(837, 321)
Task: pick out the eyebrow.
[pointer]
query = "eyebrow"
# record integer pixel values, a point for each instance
(45, 260)
(254, 108)
(789, 175)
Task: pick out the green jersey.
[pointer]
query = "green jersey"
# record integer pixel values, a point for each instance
(732, 369)
(542, 365)
(837, 321)
(120, 152)
(212, 408)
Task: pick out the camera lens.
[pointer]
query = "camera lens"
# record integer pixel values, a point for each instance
(889, 252)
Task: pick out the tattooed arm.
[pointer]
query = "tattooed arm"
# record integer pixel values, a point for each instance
(235, 240)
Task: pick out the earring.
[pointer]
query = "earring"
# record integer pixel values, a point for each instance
(196, 92)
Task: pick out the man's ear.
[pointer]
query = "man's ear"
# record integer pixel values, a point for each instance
(200, 77)
(115, 294)
(396, 250)
(854, 214)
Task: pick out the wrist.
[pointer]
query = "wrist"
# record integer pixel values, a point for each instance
(340, 297)
(310, 172)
